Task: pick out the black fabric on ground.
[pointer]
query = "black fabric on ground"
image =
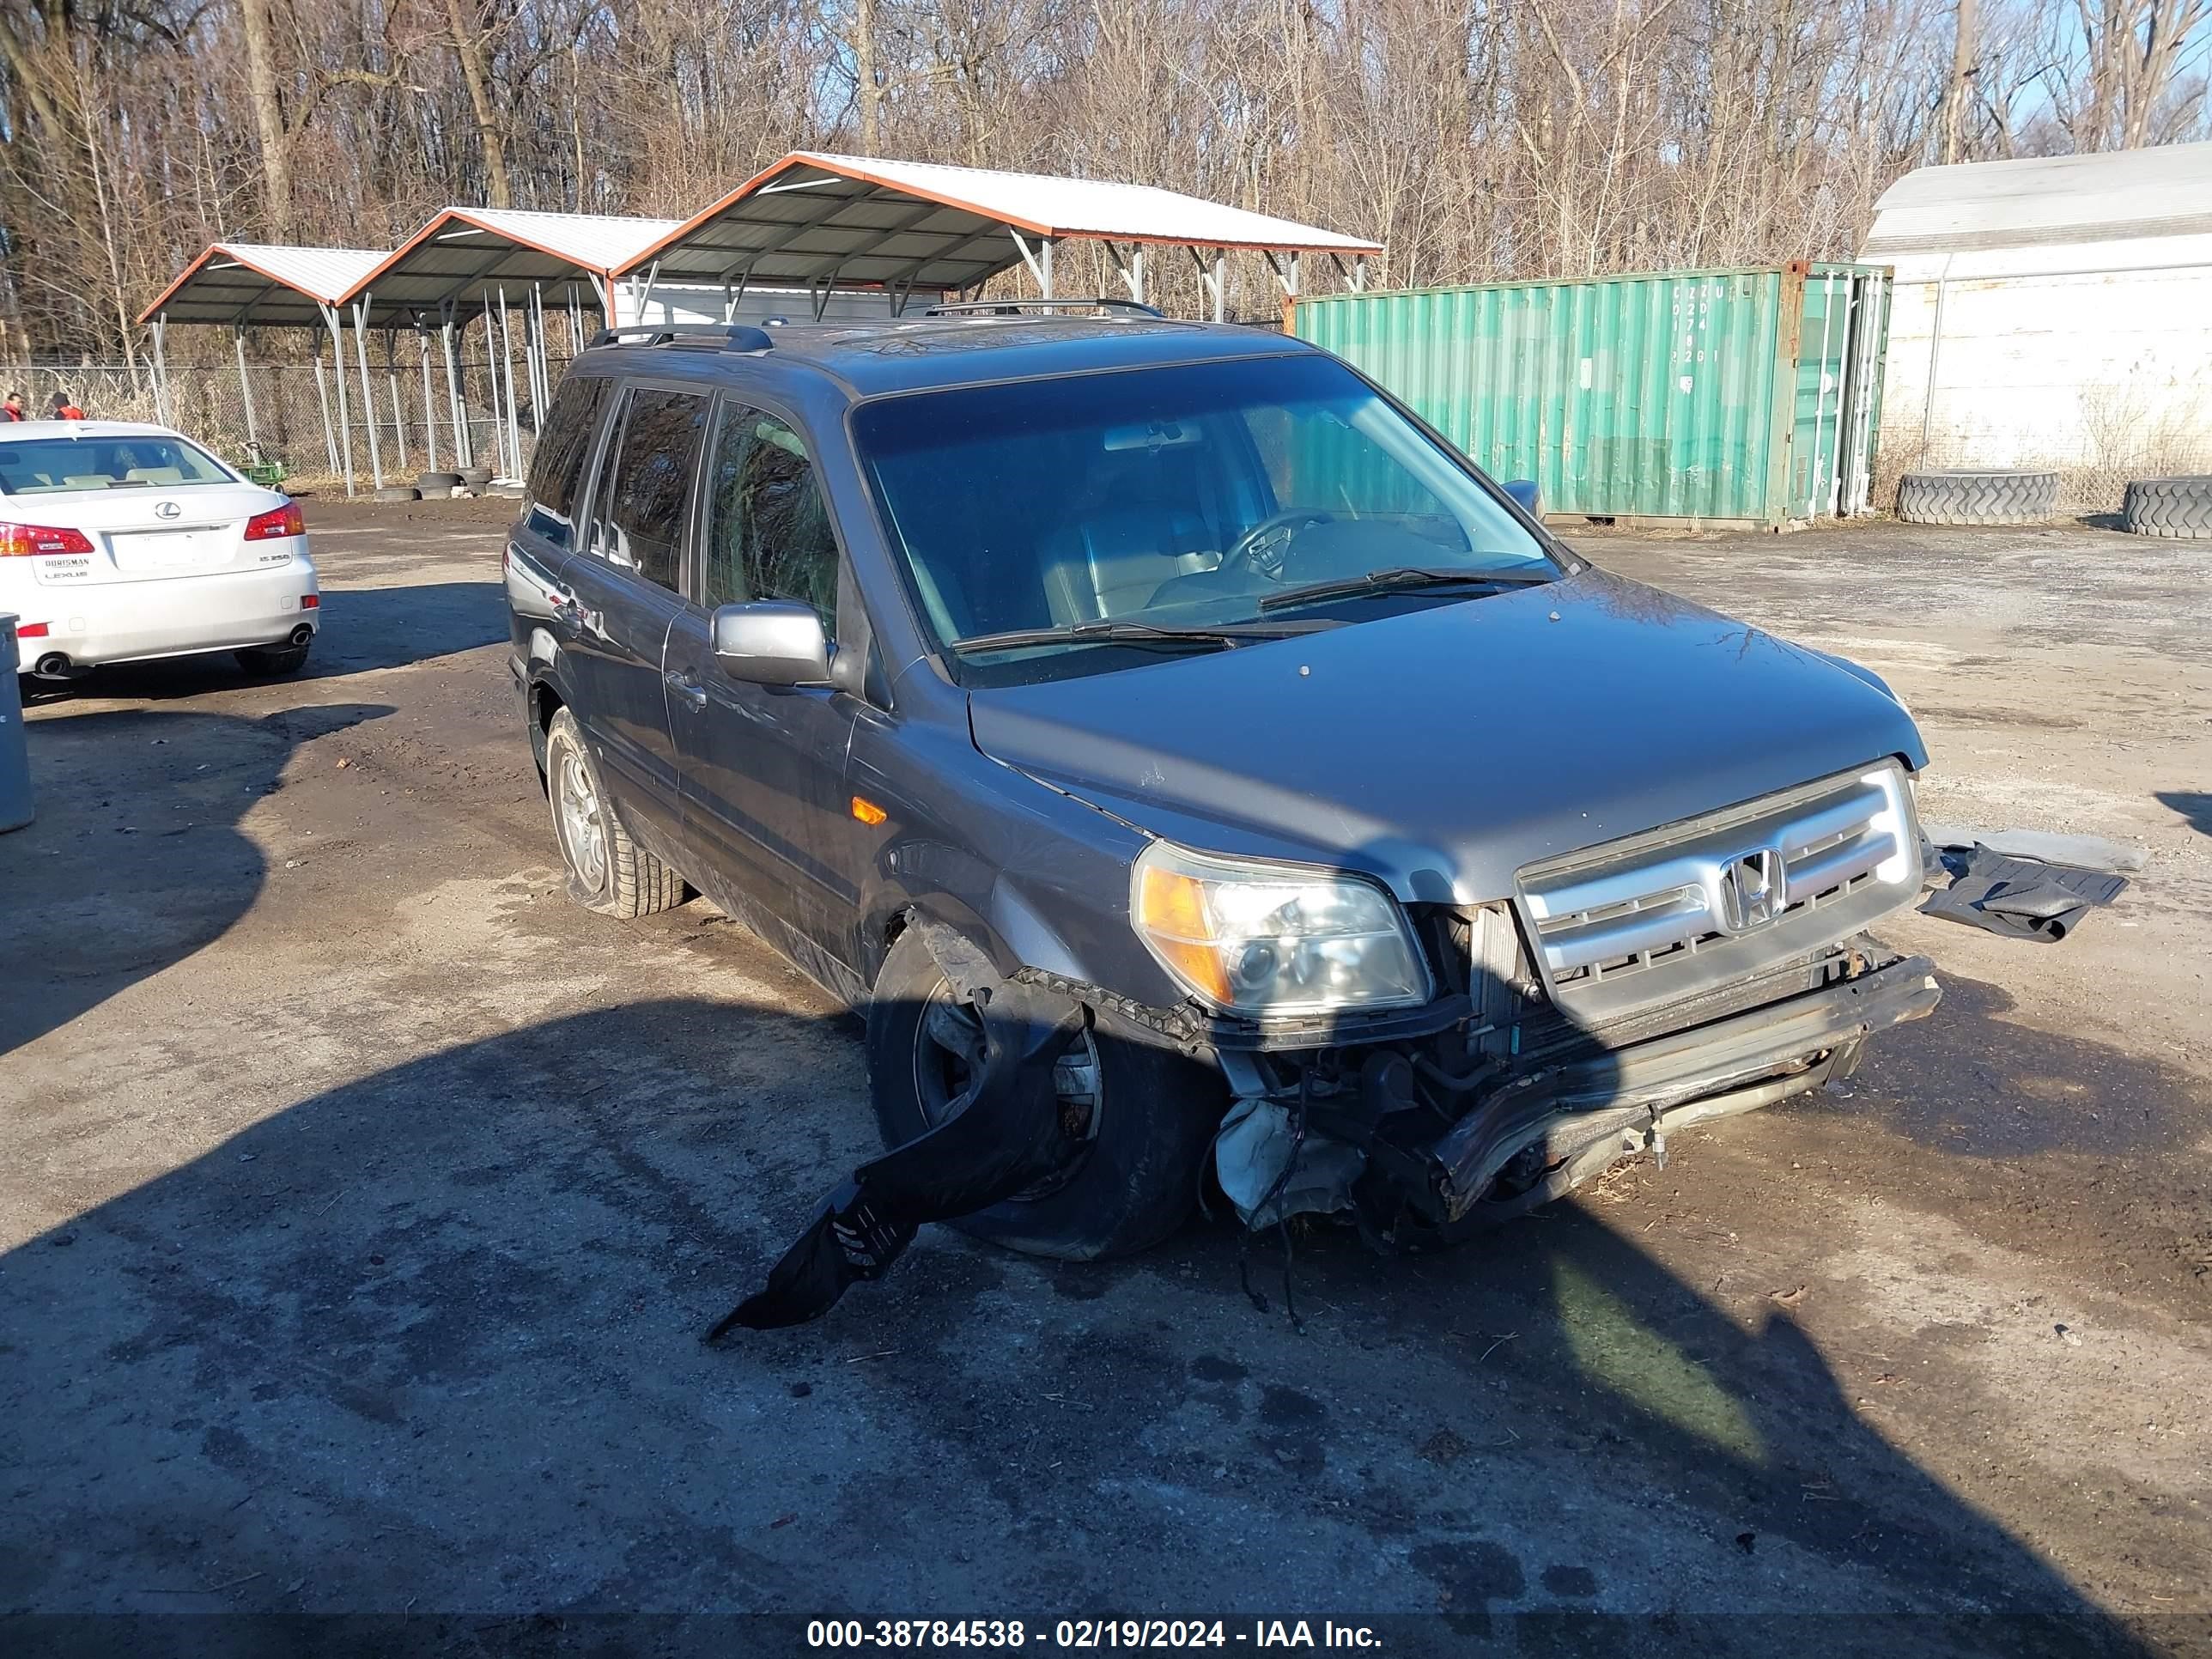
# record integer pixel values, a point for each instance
(1009, 1136)
(2020, 898)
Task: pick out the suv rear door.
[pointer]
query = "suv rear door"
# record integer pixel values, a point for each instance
(764, 767)
(625, 580)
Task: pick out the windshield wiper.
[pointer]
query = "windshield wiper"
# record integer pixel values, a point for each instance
(1403, 579)
(1218, 637)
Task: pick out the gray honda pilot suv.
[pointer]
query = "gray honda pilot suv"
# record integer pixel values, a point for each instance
(1197, 770)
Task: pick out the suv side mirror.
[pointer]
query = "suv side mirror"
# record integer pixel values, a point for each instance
(1523, 492)
(772, 642)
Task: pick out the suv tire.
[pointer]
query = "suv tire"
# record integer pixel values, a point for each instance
(1155, 1115)
(2176, 508)
(1969, 495)
(608, 873)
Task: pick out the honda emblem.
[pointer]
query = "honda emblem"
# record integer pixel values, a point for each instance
(1750, 889)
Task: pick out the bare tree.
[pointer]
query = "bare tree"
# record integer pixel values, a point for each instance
(476, 72)
(2131, 48)
(1478, 139)
(1962, 75)
(268, 115)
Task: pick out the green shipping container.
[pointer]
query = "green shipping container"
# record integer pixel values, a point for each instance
(1729, 397)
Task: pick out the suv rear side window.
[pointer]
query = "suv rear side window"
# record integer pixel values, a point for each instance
(557, 471)
(638, 516)
(768, 532)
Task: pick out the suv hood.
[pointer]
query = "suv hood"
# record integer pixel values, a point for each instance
(1441, 750)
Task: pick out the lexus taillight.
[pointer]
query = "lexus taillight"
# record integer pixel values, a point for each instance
(24, 541)
(277, 521)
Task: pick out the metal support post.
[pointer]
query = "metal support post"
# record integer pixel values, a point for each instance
(367, 391)
(338, 372)
(498, 461)
(161, 370)
(430, 413)
(463, 453)
(513, 426)
(399, 420)
(322, 397)
(246, 386)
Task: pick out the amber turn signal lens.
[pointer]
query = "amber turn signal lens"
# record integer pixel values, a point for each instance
(867, 811)
(1172, 911)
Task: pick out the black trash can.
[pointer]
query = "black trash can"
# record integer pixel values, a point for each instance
(15, 752)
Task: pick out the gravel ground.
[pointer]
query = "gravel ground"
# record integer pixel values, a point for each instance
(362, 1201)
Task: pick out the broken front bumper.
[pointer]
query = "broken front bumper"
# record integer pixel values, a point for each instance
(1530, 1133)
(1587, 1112)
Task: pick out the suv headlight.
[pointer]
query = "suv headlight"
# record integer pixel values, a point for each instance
(1274, 939)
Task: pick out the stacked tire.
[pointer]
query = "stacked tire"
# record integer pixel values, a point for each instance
(1978, 495)
(2178, 508)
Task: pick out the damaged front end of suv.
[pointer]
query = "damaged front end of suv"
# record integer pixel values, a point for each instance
(1621, 992)
(1426, 1070)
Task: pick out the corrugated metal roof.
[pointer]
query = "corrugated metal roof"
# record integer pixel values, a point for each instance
(859, 219)
(2043, 201)
(599, 242)
(262, 283)
(466, 256)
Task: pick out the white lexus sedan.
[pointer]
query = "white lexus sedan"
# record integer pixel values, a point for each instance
(121, 541)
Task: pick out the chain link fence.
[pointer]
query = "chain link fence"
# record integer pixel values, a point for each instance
(293, 417)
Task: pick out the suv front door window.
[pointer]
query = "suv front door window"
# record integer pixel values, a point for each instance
(763, 766)
(768, 533)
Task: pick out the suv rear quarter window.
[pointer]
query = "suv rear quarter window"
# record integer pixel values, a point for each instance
(557, 471)
(646, 485)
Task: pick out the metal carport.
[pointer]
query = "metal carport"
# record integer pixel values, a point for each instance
(478, 261)
(820, 221)
(241, 285)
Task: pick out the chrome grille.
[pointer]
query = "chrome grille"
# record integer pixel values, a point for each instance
(1621, 926)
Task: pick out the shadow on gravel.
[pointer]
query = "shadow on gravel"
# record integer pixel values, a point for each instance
(2194, 805)
(136, 859)
(432, 1336)
(363, 629)
(1974, 1084)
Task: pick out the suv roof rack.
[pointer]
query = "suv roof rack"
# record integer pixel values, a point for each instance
(706, 336)
(1011, 308)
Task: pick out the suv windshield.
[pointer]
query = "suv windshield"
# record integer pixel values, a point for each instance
(49, 466)
(1273, 491)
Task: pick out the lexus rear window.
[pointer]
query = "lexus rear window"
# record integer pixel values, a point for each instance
(54, 466)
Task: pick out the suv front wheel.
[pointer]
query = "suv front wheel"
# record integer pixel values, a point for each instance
(608, 872)
(1146, 1117)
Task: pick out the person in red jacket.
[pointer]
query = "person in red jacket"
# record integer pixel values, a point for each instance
(65, 410)
(13, 409)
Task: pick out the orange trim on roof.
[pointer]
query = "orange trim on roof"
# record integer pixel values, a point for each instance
(862, 175)
(447, 216)
(235, 258)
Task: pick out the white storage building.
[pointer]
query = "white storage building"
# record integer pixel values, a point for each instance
(2054, 311)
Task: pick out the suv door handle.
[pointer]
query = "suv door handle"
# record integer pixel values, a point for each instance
(687, 688)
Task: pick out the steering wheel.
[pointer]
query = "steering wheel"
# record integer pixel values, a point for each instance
(1261, 548)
